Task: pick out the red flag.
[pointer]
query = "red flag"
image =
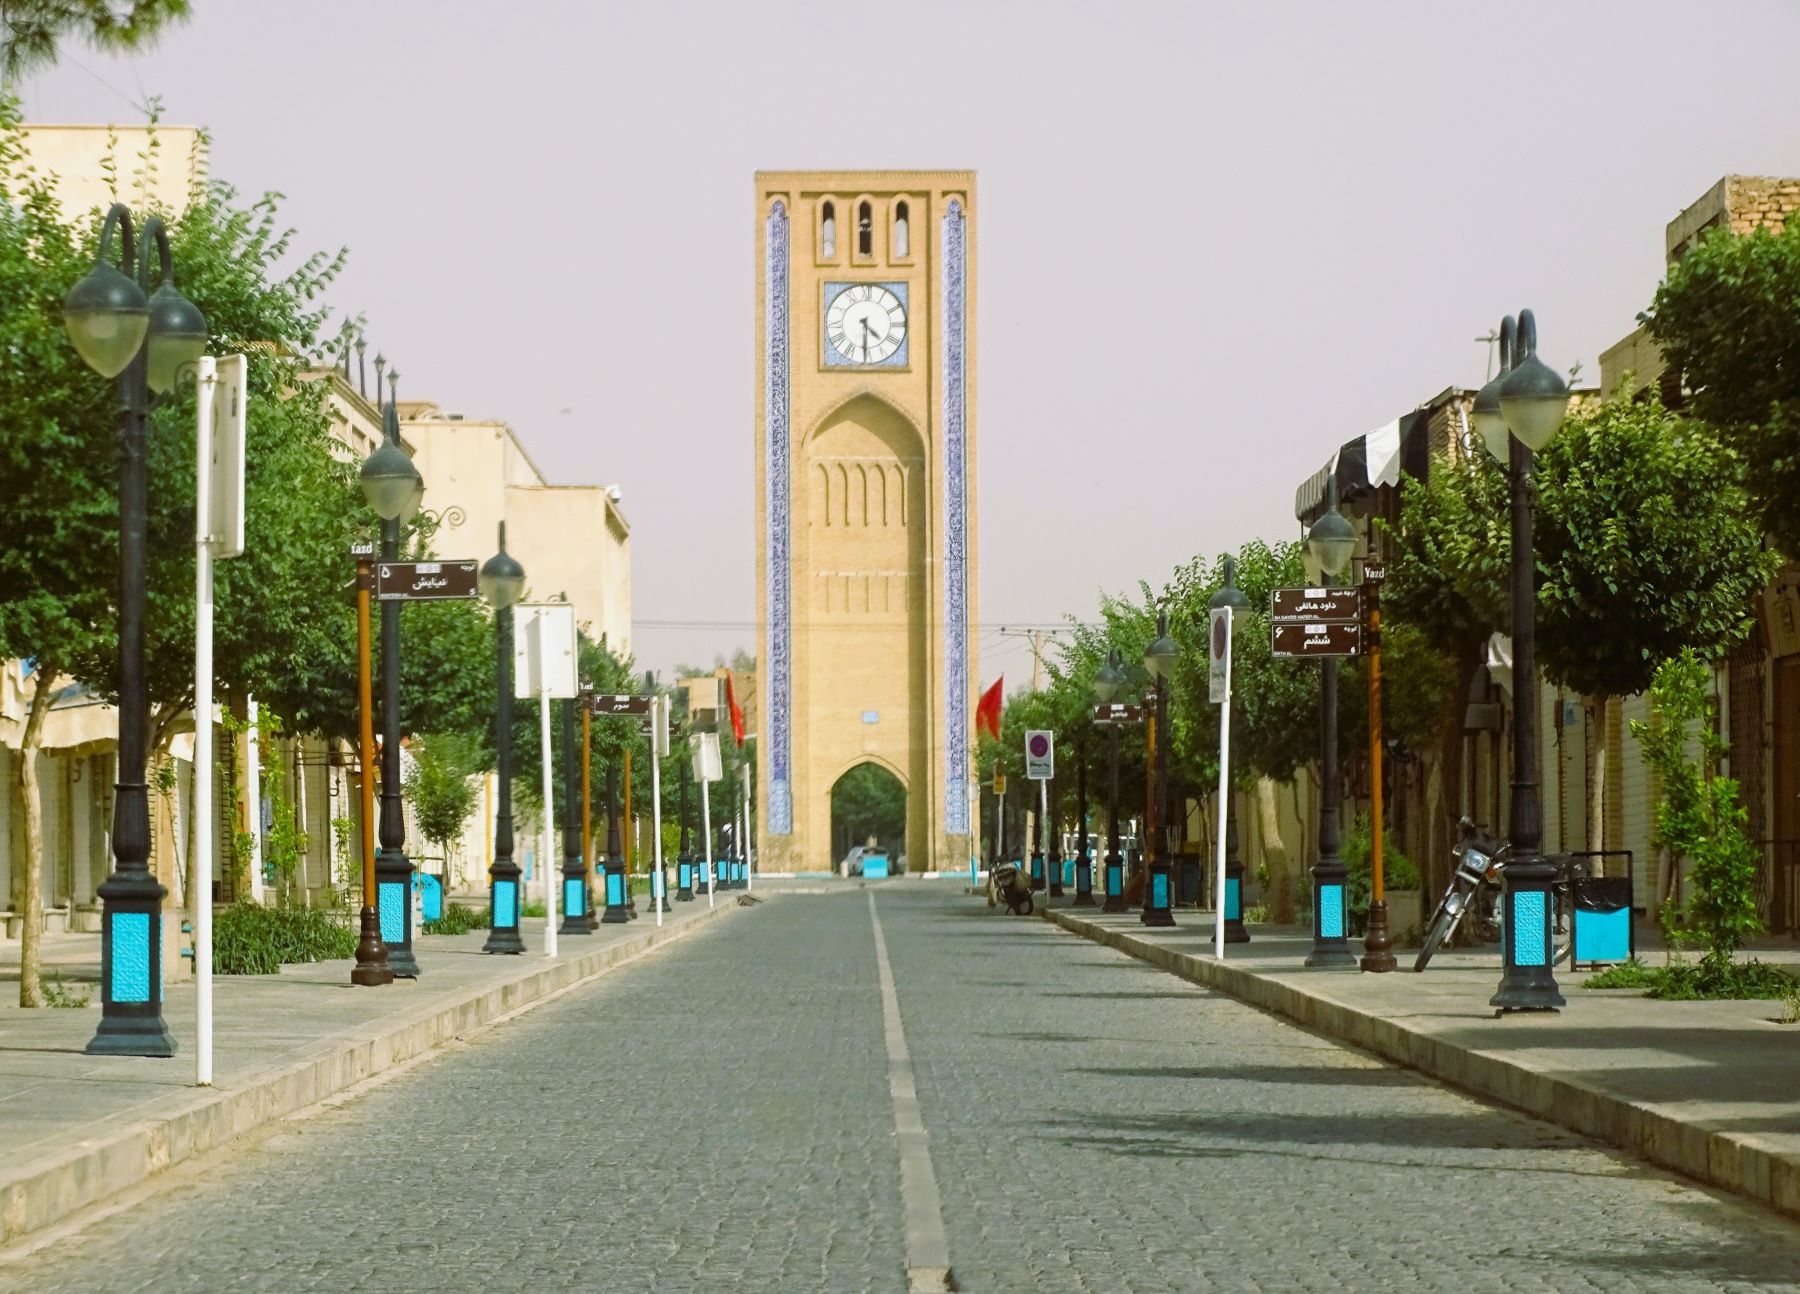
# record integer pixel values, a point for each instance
(737, 713)
(987, 713)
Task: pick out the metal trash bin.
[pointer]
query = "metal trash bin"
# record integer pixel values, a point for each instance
(1602, 918)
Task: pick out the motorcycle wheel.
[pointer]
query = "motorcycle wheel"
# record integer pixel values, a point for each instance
(1443, 922)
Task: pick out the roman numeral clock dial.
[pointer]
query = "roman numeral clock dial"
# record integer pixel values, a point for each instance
(865, 323)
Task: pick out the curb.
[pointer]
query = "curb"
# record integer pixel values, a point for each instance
(1743, 1165)
(46, 1191)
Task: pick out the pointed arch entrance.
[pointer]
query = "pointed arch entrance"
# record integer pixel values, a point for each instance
(868, 807)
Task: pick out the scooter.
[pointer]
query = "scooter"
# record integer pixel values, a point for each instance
(1008, 884)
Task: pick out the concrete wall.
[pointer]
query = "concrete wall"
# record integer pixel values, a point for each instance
(150, 169)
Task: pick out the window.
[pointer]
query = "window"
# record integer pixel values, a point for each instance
(865, 231)
(827, 231)
(902, 242)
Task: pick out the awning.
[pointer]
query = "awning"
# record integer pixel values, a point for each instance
(1361, 465)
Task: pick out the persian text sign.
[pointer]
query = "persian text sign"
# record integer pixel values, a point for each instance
(1314, 605)
(424, 581)
(1324, 638)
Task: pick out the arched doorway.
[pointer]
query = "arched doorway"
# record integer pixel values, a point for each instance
(868, 802)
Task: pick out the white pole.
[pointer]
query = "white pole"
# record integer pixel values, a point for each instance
(749, 871)
(548, 845)
(1224, 798)
(974, 789)
(712, 881)
(657, 885)
(253, 797)
(203, 753)
(1043, 829)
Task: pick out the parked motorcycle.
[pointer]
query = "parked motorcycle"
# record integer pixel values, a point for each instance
(1008, 884)
(1477, 888)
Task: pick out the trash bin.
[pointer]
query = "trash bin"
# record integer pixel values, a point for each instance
(1602, 917)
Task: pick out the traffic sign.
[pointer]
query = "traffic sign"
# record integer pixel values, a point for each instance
(1323, 638)
(1315, 605)
(425, 581)
(602, 703)
(1118, 712)
(1040, 754)
(1218, 675)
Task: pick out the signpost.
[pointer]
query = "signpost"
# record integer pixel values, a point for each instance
(218, 532)
(1315, 604)
(544, 654)
(425, 581)
(1040, 755)
(607, 706)
(1319, 638)
(707, 770)
(1118, 712)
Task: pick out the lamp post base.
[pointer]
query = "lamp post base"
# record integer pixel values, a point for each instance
(1527, 982)
(1235, 933)
(1331, 944)
(133, 1036)
(1378, 947)
(1157, 897)
(372, 967)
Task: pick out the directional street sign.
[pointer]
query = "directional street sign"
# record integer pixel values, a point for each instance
(1040, 755)
(1374, 572)
(1324, 638)
(1314, 605)
(604, 704)
(1118, 712)
(425, 581)
(362, 548)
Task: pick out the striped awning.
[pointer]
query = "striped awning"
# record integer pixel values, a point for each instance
(1361, 465)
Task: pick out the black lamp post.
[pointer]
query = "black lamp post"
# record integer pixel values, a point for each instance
(1159, 659)
(1332, 542)
(502, 583)
(145, 342)
(684, 861)
(1232, 901)
(617, 883)
(1109, 679)
(393, 488)
(1517, 414)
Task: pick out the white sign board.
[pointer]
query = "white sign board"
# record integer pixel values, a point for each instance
(1040, 754)
(707, 766)
(659, 726)
(544, 650)
(1218, 678)
(225, 509)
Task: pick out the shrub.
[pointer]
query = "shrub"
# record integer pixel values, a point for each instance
(1707, 979)
(252, 940)
(457, 920)
(1398, 872)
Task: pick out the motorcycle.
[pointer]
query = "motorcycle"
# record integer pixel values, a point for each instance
(1008, 883)
(1477, 887)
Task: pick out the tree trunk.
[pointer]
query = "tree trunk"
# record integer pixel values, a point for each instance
(1599, 730)
(1276, 858)
(31, 910)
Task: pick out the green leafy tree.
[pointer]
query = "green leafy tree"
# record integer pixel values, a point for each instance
(1727, 323)
(33, 32)
(870, 801)
(441, 788)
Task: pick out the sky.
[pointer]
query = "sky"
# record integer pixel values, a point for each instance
(1215, 240)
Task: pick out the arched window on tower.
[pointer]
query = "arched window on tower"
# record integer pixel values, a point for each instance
(827, 231)
(902, 234)
(865, 231)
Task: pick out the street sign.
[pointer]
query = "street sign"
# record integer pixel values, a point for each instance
(1374, 572)
(999, 782)
(425, 581)
(1323, 638)
(362, 548)
(544, 650)
(707, 765)
(1118, 712)
(1218, 674)
(659, 726)
(1314, 605)
(225, 509)
(1040, 755)
(610, 704)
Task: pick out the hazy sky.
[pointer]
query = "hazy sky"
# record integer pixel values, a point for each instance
(1216, 240)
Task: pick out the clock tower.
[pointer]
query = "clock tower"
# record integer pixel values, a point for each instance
(865, 504)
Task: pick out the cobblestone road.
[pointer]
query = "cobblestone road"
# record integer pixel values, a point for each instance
(717, 1117)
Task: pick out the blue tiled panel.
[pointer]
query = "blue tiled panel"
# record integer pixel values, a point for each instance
(1602, 936)
(431, 896)
(1530, 947)
(1331, 911)
(131, 957)
(615, 889)
(391, 896)
(1159, 891)
(1115, 881)
(573, 894)
(1234, 899)
(506, 904)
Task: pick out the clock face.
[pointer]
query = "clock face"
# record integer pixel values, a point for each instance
(865, 324)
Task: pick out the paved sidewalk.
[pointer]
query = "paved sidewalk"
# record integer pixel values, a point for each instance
(1710, 1089)
(76, 1129)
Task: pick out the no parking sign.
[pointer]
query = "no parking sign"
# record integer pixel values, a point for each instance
(1040, 754)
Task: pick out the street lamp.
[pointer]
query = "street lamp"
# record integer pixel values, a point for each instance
(393, 488)
(1332, 542)
(1231, 902)
(1084, 861)
(1159, 659)
(1533, 401)
(502, 583)
(618, 884)
(684, 861)
(144, 342)
(1109, 679)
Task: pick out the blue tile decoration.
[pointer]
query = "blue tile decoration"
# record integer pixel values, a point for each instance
(615, 890)
(1159, 890)
(1530, 941)
(1234, 899)
(573, 893)
(390, 899)
(431, 895)
(777, 502)
(131, 957)
(1602, 936)
(1331, 911)
(954, 331)
(1114, 881)
(899, 359)
(506, 904)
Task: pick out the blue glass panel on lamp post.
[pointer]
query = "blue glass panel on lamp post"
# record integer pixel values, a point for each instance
(1159, 900)
(617, 882)
(502, 583)
(1531, 402)
(1332, 542)
(1109, 680)
(145, 342)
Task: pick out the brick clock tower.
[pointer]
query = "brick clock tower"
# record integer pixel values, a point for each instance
(865, 503)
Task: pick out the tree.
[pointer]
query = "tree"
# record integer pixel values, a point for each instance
(32, 32)
(440, 787)
(1726, 321)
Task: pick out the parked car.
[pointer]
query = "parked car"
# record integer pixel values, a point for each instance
(852, 864)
